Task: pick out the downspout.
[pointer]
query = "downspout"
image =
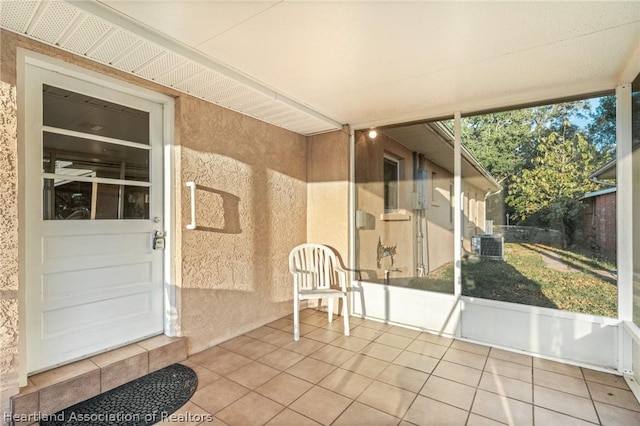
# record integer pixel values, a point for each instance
(489, 194)
(420, 215)
(486, 196)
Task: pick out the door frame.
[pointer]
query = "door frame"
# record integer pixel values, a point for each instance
(171, 190)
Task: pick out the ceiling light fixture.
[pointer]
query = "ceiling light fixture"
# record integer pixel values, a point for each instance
(373, 134)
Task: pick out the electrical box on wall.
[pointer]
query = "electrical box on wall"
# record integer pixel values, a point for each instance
(365, 220)
(417, 201)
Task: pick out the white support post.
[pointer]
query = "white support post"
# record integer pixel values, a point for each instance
(351, 280)
(624, 219)
(457, 215)
(457, 204)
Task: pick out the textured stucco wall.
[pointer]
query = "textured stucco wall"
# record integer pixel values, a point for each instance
(328, 195)
(251, 209)
(9, 341)
(438, 215)
(328, 192)
(9, 380)
(473, 208)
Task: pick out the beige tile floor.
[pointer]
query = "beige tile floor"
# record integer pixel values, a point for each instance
(387, 375)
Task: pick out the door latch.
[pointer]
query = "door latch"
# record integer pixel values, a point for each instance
(158, 240)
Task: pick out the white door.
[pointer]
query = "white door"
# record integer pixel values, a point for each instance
(93, 203)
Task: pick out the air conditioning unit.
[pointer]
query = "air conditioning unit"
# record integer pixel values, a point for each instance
(489, 246)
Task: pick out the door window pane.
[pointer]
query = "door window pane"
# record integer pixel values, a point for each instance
(73, 200)
(64, 109)
(73, 156)
(81, 164)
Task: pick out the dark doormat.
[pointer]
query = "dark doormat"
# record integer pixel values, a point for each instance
(144, 401)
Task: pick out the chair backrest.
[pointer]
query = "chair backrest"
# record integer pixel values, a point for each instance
(314, 266)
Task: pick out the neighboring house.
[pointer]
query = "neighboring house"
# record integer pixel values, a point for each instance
(599, 214)
(599, 219)
(404, 186)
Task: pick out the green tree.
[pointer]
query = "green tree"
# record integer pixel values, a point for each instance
(542, 160)
(602, 128)
(502, 142)
(560, 175)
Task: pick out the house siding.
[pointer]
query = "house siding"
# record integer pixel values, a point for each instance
(599, 222)
(605, 210)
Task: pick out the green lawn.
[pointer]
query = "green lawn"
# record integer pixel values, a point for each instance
(525, 278)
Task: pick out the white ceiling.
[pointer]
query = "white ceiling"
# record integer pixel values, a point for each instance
(389, 61)
(311, 66)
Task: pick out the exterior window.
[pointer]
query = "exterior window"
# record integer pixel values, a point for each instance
(434, 188)
(469, 218)
(391, 184)
(451, 203)
(476, 212)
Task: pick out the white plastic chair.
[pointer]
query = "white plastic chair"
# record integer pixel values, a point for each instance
(317, 275)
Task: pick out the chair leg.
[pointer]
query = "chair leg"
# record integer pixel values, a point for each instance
(296, 319)
(345, 315)
(330, 309)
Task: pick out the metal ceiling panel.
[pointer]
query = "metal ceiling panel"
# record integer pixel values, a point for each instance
(52, 22)
(87, 34)
(160, 65)
(138, 57)
(112, 46)
(108, 39)
(16, 15)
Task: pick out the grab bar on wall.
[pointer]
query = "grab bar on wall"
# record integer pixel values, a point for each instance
(192, 187)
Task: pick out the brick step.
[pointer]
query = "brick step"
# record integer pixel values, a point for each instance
(62, 387)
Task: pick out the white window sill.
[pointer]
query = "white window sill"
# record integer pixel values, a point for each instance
(397, 215)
